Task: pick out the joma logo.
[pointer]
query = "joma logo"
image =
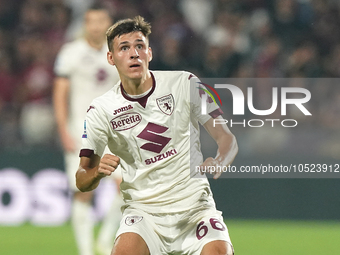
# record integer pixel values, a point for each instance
(122, 109)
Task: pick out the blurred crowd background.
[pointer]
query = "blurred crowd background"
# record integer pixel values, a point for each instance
(211, 38)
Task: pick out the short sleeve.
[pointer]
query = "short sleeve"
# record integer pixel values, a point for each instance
(202, 105)
(64, 62)
(95, 134)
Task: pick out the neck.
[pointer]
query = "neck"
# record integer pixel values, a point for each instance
(97, 44)
(137, 86)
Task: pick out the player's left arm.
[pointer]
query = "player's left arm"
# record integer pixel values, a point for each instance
(226, 142)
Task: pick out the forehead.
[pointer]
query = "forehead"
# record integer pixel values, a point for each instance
(93, 14)
(130, 38)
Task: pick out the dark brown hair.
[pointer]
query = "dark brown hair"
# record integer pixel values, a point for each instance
(127, 26)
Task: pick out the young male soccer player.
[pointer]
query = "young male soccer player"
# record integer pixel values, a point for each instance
(82, 73)
(146, 121)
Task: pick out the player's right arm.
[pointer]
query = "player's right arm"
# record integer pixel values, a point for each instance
(63, 69)
(93, 168)
(60, 102)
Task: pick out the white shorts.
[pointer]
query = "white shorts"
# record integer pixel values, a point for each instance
(175, 233)
(72, 164)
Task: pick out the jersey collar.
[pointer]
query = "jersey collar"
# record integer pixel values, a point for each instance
(143, 100)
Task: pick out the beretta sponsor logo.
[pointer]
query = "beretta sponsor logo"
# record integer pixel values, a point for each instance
(126, 121)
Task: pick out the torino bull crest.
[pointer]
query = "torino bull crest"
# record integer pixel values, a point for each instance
(166, 104)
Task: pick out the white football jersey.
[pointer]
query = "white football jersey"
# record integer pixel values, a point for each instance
(153, 136)
(90, 76)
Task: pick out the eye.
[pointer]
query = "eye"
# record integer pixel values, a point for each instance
(139, 46)
(124, 48)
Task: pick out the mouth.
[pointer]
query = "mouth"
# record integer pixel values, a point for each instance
(134, 66)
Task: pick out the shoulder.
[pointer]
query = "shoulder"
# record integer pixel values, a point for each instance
(174, 77)
(108, 98)
(69, 54)
(103, 98)
(74, 46)
(104, 105)
(98, 105)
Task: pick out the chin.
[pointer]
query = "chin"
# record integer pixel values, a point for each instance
(136, 76)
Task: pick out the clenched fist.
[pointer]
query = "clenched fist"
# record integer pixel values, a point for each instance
(107, 165)
(213, 163)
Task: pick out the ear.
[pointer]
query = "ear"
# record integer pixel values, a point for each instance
(110, 60)
(150, 54)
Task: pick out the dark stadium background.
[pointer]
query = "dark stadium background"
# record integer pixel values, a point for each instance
(212, 39)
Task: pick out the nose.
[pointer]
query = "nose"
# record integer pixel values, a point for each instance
(134, 53)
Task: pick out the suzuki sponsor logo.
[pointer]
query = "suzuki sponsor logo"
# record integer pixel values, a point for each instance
(151, 133)
(161, 157)
(126, 121)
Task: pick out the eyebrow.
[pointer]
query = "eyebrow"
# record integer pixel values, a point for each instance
(127, 42)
